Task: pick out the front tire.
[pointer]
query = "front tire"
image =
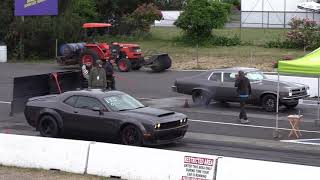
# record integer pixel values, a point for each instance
(200, 98)
(131, 135)
(48, 127)
(269, 102)
(124, 65)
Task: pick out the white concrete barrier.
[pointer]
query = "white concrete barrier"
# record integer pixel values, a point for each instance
(43, 153)
(137, 163)
(245, 169)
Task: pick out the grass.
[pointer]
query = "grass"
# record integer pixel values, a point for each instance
(30, 174)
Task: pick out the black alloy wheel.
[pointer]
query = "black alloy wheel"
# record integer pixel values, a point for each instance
(131, 135)
(48, 127)
(269, 102)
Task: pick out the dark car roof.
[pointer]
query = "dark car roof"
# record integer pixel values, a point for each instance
(236, 69)
(98, 93)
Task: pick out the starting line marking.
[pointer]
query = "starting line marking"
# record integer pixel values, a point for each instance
(248, 125)
(5, 102)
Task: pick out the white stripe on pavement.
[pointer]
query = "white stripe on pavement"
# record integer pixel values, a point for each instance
(5, 102)
(248, 125)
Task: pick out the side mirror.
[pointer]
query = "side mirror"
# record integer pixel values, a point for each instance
(97, 109)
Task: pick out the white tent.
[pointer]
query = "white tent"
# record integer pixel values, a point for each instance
(272, 13)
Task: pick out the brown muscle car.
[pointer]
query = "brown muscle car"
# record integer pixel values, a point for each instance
(218, 85)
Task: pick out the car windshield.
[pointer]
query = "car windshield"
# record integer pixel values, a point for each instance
(255, 76)
(122, 102)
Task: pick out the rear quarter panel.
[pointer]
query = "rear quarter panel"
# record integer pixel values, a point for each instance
(34, 109)
(188, 84)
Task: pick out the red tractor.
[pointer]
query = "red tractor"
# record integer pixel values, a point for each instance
(125, 56)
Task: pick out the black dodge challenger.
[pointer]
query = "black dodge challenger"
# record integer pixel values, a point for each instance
(109, 113)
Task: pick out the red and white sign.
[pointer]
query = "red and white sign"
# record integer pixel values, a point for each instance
(200, 167)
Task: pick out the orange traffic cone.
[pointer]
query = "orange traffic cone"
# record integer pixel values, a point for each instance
(186, 104)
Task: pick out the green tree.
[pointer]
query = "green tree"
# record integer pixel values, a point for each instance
(199, 17)
(142, 18)
(40, 32)
(117, 12)
(6, 17)
(170, 4)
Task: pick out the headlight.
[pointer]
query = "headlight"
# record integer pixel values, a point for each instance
(308, 90)
(290, 92)
(184, 120)
(157, 126)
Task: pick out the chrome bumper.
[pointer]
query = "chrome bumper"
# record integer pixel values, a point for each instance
(295, 97)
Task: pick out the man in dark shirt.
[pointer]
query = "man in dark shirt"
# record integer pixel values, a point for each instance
(244, 91)
(108, 67)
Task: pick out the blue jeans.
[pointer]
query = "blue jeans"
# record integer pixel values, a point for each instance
(243, 113)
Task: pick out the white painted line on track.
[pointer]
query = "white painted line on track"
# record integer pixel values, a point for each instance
(248, 125)
(5, 102)
(300, 141)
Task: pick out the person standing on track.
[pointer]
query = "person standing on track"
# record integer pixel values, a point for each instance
(244, 91)
(108, 67)
(97, 77)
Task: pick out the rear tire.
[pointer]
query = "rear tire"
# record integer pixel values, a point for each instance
(88, 55)
(131, 135)
(161, 63)
(48, 127)
(269, 102)
(124, 65)
(201, 98)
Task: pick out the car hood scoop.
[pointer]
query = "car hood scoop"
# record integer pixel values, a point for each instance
(153, 112)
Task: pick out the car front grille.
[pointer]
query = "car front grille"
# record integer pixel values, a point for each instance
(169, 125)
(170, 136)
(299, 92)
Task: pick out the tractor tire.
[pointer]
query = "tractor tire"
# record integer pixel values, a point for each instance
(88, 55)
(124, 65)
(136, 67)
(161, 63)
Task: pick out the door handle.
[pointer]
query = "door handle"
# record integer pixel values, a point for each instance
(75, 112)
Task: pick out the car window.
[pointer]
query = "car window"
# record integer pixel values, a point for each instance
(122, 102)
(71, 101)
(88, 103)
(215, 77)
(229, 77)
(255, 76)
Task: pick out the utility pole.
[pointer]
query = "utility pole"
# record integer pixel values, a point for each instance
(22, 39)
